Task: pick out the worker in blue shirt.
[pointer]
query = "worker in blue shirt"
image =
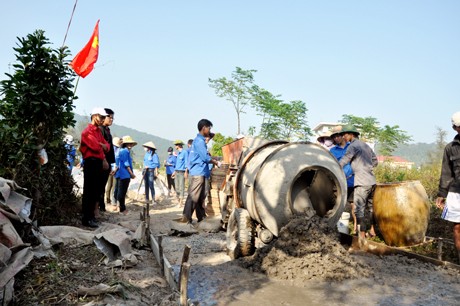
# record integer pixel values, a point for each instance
(187, 163)
(125, 171)
(199, 170)
(339, 151)
(170, 165)
(71, 152)
(150, 171)
(179, 170)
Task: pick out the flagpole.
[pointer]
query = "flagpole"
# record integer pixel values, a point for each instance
(63, 43)
(75, 90)
(70, 21)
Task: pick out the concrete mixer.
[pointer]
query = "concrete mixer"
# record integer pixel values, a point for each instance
(270, 182)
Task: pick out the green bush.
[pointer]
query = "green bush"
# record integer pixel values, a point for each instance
(36, 106)
(428, 175)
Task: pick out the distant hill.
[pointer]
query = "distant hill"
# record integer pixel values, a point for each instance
(417, 153)
(141, 138)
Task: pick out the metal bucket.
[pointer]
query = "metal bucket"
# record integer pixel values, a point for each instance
(402, 212)
(279, 179)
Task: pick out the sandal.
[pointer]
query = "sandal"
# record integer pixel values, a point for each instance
(369, 235)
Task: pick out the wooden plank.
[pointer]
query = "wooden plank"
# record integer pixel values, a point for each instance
(382, 249)
(185, 257)
(155, 249)
(164, 263)
(160, 251)
(169, 274)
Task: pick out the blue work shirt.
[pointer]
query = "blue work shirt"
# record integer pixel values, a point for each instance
(151, 161)
(339, 152)
(187, 163)
(170, 164)
(71, 153)
(199, 157)
(181, 160)
(124, 161)
(116, 151)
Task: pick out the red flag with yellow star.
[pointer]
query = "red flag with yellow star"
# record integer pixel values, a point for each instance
(83, 63)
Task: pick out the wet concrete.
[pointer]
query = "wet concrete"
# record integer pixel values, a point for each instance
(281, 275)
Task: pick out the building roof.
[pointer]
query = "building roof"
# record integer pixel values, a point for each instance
(322, 124)
(394, 159)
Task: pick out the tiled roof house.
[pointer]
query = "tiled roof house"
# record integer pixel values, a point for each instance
(395, 161)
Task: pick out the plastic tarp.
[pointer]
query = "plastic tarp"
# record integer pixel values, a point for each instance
(13, 204)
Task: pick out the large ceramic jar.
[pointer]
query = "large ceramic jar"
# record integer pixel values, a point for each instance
(402, 212)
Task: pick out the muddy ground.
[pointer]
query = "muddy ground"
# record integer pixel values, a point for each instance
(306, 266)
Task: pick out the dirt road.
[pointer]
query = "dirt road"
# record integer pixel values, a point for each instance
(307, 265)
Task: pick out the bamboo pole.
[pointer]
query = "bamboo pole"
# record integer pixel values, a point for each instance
(183, 281)
(185, 257)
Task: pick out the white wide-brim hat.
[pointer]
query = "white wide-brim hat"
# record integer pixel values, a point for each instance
(149, 144)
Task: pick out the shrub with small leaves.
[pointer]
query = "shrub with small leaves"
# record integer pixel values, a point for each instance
(36, 105)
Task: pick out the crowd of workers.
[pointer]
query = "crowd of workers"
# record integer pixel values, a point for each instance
(108, 168)
(358, 161)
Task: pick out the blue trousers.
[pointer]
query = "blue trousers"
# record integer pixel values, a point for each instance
(123, 185)
(149, 178)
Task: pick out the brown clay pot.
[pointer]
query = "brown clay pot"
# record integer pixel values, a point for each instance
(402, 212)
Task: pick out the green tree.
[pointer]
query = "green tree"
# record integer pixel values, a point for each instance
(238, 90)
(267, 105)
(218, 142)
(35, 108)
(292, 118)
(388, 138)
(281, 120)
(368, 126)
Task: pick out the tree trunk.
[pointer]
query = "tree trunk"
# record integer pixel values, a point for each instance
(238, 119)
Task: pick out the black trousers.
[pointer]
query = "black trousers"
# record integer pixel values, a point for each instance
(170, 182)
(123, 185)
(195, 198)
(92, 177)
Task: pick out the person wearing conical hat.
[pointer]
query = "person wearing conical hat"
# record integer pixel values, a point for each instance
(363, 161)
(325, 140)
(150, 172)
(341, 146)
(125, 171)
(179, 170)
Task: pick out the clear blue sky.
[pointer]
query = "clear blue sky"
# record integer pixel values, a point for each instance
(397, 61)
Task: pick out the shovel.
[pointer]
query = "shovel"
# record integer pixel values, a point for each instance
(138, 189)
